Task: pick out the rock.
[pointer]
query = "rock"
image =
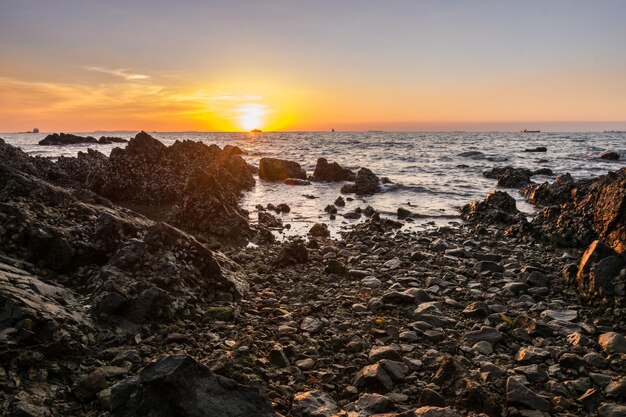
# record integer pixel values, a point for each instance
(234, 150)
(319, 230)
(331, 172)
(476, 309)
(518, 394)
(431, 397)
(369, 404)
(561, 315)
(596, 210)
(430, 411)
(404, 213)
(273, 169)
(330, 209)
(335, 267)
(384, 352)
(486, 333)
(374, 378)
(339, 202)
(599, 272)
(497, 208)
(548, 194)
(292, 253)
(296, 181)
(609, 156)
(537, 149)
(66, 139)
(395, 369)
(612, 410)
(278, 358)
(617, 388)
(366, 183)
(178, 385)
(313, 404)
(371, 282)
(88, 386)
(311, 325)
(269, 220)
(612, 342)
(397, 298)
(111, 139)
(483, 347)
(510, 177)
(488, 266)
(532, 354)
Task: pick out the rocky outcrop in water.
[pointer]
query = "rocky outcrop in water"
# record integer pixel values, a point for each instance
(548, 194)
(70, 139)
(497, 208)
(365, 183)
(274, 169)
(331, 172)
(178, 385)
(509, 177)
(596, 209)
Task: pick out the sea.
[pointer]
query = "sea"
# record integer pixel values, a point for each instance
(433, 174)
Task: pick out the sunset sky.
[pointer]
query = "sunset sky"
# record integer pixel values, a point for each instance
(85, 65)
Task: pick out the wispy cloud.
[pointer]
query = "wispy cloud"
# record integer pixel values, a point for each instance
(123, 73)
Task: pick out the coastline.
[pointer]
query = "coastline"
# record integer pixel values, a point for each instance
(474, 318)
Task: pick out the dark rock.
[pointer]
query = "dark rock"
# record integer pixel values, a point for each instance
(485, 333)
(313, 404)
(609, 156)
(178, 385)
(374, 378)
(404, 213)
(111, 139)
(366, 183)
(319, 230)
(518, 394)
(548, 194)
(599, 272)
(612, 342)
(537, 149)
(331, 172)
(510, 177)
(339, 202)
(273, 169)
(269, 220)
(369, 404)
(296, 181)
(488, 266)
(234, 150)
(66, 139)
(497, 208)
(617, 388)
(278, 358)
(384, 352)
(292, 253)
(89, 385)
(596, 210)
(431, 397)
(330, 209)
(335, 267)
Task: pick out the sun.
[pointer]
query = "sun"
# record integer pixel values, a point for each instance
(250, 116)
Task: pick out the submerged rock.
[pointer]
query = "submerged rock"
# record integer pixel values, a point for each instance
(509, 177)
(274, 169)
(178, 385)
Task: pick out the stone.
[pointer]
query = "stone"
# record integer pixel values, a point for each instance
(369, 404)
(366, 183)
(374, 378)
(404, 213)
(178, 385)
(488, 266)
(518, 395)
(384, 352)
(296, 181)
(311, 325)
(476, 309)
(88, 386)
(616, 388)
(371, 282)
(612, 410)
(612, 342)
(331, 172)
(319, 230)
(609, 155)
(399, 298)
(278, 358)
(313, 404)
(532, 354)
(274, 169)
(561, 315)
(485, 333)
(483, 347)
(497, 208)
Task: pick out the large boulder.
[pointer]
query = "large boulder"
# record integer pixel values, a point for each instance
(366, 183)
(66, 139)
(274, 169)
(596, 209)
(548, 194)
(178, 385)
(497, 208)
(601, 273)
(331, 172)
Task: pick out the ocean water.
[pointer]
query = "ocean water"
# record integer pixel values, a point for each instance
(434, 174)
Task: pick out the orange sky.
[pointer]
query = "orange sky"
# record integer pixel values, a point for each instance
(432, 65)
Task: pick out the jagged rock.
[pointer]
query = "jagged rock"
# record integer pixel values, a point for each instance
(66, 139)
(269, 220)
(548, 194)
(313, 404)
(597, 209)
(369, 404)
(331, 172)
(234, 150)
(537, 149)
(497, 208)
(612, 410)
(33, 312)
(178, 385)
(486, 333)
(609, 155)
(518, 394)
(612, 342)
(365, 183)
(273, 169)
(510, 177)
(292, 253)
(374, 378)
(599, 272)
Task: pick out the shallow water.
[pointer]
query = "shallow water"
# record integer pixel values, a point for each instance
(434, 173)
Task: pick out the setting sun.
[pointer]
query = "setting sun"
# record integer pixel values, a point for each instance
(251, 116)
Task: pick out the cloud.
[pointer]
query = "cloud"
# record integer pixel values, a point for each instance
(123, 73)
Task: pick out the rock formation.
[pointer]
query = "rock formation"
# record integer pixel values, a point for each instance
(273, 169)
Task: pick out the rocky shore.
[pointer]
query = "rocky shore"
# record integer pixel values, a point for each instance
(127, 288)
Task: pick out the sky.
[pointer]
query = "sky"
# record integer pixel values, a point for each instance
(192, 65)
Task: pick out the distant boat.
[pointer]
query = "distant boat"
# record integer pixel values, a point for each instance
(256, 131)
(530, 131)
